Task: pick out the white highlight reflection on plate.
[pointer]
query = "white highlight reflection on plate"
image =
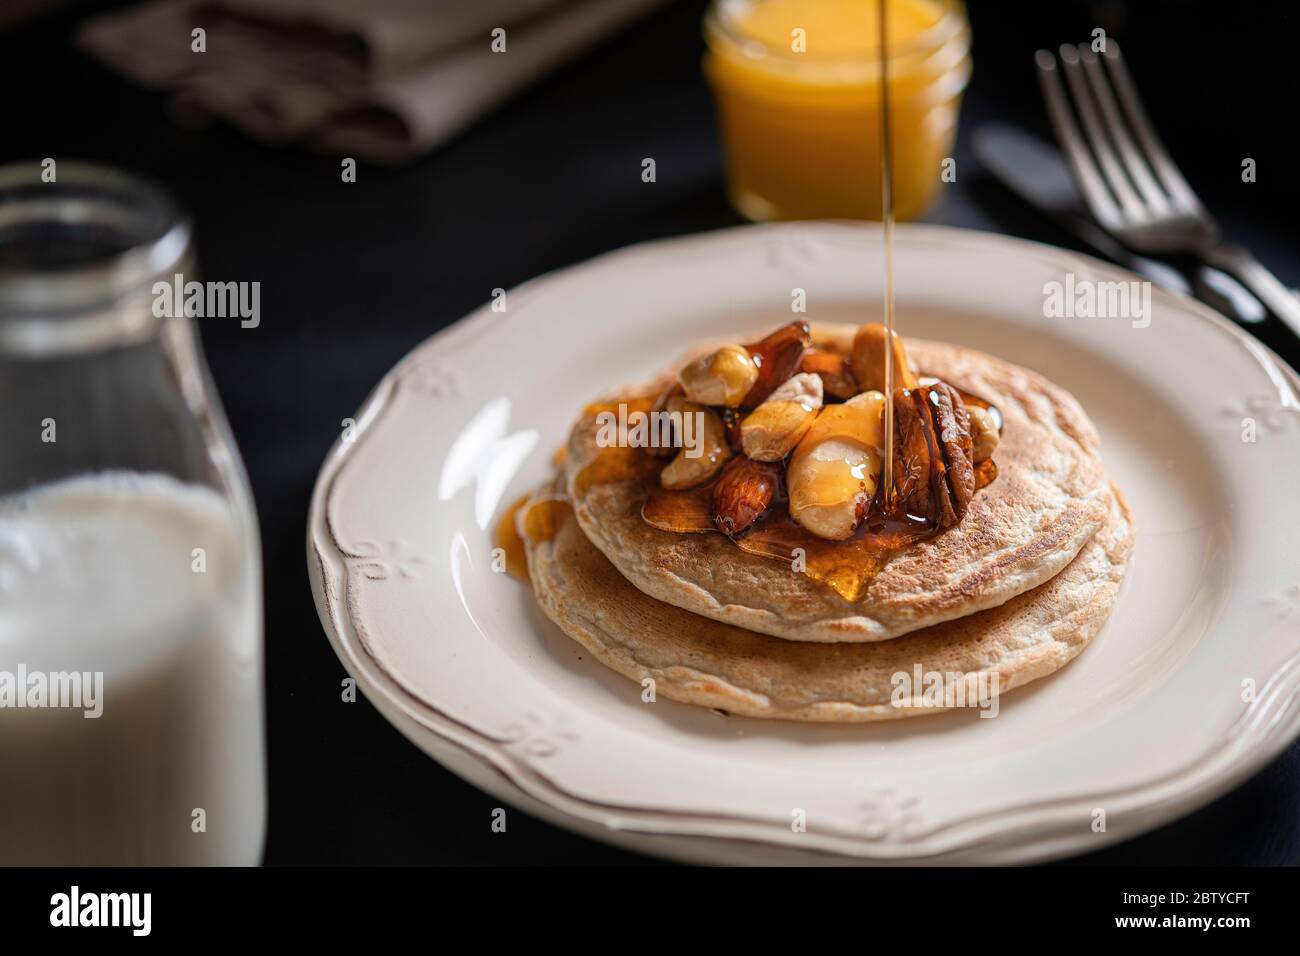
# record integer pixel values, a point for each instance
(484, 456)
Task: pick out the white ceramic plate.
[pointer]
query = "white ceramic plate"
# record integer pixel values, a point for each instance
(1193, 685)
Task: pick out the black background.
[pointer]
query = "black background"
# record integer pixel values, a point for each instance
(353, 276)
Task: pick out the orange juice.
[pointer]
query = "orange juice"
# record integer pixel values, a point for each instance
(797, 84)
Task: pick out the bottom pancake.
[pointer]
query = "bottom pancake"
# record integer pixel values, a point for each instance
(701, 661)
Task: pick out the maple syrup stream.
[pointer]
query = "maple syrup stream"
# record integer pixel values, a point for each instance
(887, 225)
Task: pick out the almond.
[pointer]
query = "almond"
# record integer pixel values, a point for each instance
(743, 494)
(777, 357)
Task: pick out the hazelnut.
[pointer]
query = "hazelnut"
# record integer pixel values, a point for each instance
(835, 469)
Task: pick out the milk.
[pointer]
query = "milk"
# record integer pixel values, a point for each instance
(141, 579)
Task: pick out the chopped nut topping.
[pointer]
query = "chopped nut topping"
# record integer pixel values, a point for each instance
(752, 428)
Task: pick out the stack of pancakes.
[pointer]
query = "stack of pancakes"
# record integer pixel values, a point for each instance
(1012, 593)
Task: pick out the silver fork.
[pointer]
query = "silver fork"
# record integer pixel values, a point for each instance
(1130, 184)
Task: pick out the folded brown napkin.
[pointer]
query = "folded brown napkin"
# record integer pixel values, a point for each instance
(383, 80)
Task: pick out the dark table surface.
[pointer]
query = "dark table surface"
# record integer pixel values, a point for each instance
(354, 276)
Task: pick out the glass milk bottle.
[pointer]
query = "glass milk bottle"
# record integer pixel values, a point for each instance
(131, 724)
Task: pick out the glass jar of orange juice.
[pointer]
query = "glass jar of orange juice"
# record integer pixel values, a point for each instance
(797, 84)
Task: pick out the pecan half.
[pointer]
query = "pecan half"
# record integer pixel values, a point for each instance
(777, 358)
(743, 493)
(934, 473)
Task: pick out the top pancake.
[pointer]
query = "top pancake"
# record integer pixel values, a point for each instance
(1049, 499)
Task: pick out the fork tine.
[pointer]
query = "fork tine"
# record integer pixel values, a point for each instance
(1136, 166)
(1164, 167)
(1067, 134)
(1096, 136)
